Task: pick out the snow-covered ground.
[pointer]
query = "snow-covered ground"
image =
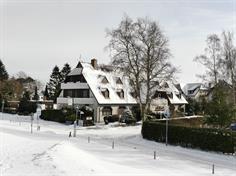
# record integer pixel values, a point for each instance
(50, 152)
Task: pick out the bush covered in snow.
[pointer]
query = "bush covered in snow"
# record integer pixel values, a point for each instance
(202, 138)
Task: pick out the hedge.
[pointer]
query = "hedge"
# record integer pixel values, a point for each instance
(53, 115)
(201, 138)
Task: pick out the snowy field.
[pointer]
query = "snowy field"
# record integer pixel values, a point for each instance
(50, 152)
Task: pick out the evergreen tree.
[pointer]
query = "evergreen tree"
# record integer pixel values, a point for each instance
(64, 71)
(3, 73)
(26, 96)
(219, 111)
(25, 106)
(36, 96)
(45, 94)
(54, 84)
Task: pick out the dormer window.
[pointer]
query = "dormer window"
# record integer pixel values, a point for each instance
(105, 93)
(120, 93)
(103, 79)
(179, 96)
(170, 95)
(166, 85)
(133, 94)
(190, 91)
(118, 81)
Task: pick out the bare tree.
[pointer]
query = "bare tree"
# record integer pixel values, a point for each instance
(211, 59)
(21, 74)
(229, 60)
(126, 54)
(155, 56)
(141, 50)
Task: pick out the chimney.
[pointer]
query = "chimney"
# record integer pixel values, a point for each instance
(94, 63)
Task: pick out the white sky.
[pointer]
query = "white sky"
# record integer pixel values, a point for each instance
(36, 35)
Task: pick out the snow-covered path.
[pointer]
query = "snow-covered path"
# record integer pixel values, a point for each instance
(51, 152)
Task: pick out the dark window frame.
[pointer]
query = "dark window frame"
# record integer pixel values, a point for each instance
(76, 93)
(106, 93)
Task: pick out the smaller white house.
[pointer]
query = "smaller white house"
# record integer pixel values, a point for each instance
(196, 90)
(98, 87)
(168, 95)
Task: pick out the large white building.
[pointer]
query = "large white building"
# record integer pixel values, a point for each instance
(97, 86)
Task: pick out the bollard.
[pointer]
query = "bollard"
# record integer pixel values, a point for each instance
(213, 169)
(31, 127)
(154, 155)
(70, 134)
(88, 139)
(113, 144)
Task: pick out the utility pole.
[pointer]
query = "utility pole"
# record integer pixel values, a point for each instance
(74, 135)
(76, 114)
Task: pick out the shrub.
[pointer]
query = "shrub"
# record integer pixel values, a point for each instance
(136, 112)
(53, 115)
(71, 118)
(26, 107)
(128, 118)
(202, 138)
(111, 118)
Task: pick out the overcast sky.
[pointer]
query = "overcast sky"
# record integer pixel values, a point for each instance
(36, 35)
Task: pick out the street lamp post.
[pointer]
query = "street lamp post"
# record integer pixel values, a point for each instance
(167, 112)
(80, 113)
(38, 111)
(166, 131)
(76, 114)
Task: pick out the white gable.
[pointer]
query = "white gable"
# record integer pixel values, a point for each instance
(171, 88)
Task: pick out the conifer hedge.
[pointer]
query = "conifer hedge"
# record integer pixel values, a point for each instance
(201, 138)
(53, 115)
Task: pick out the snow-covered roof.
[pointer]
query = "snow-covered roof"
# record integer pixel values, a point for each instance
(194, 87)
(94, 79)
(175, 96)
(177, 100)
(75, 71)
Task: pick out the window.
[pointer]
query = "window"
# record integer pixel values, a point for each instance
(121, 110)
(76, 93)
(190, 91)
(120, 93)
(75, 78)
(107, 111)
(68, 93)
(166, 85)
(85, 93)
(105, 93)
(118, 81)
(170, 95)
(179, 96)
(133, 94)
(104, 80)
